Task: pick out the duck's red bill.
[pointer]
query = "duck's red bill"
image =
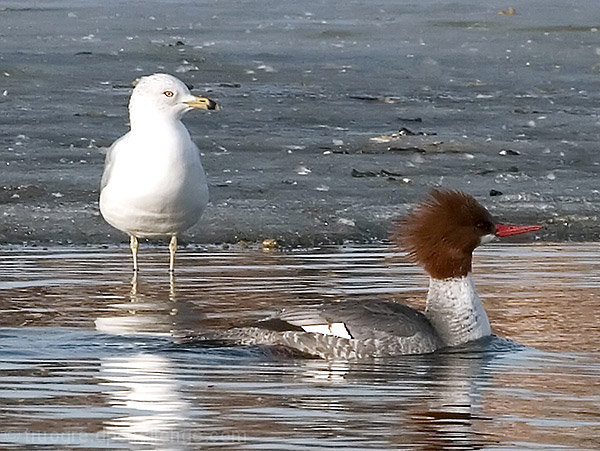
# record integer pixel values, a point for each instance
(508, 230)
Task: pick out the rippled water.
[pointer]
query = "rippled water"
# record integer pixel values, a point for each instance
(88, 359)
(508, 103)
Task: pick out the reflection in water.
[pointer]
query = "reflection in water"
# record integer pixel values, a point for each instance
(452, 415)
(141, 314)
(144, 389)
(435, 400)
(93, 353)
(151, 312)
(144, 386)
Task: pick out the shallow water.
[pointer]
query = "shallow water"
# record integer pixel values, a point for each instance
(89, 359)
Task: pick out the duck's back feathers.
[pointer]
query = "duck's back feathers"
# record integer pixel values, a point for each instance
(346, 330)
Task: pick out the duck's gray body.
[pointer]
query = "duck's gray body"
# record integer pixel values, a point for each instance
(344, 330)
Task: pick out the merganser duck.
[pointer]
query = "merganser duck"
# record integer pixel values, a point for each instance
(440, 235)
(153, 183)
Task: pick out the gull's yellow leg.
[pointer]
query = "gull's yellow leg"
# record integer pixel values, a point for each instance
(134, 285)
(172, 250)
(172, 289)
(133, 245)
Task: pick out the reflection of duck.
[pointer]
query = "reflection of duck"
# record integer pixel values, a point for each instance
(437, 400)
(450, 412)
(440, 235)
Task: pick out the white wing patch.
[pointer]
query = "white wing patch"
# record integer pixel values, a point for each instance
(335, 329)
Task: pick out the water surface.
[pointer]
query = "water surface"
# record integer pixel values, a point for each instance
(89, 359)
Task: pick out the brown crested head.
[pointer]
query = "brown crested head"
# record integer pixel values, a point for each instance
(442, 232)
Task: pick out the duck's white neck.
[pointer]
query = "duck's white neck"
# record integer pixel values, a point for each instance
(455, 310)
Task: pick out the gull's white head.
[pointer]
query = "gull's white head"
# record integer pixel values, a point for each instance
(163, 96)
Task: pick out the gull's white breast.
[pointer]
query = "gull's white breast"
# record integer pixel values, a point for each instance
(154, 183)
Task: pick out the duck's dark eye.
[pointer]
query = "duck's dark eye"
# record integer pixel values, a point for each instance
(485, 226)
(168, 93)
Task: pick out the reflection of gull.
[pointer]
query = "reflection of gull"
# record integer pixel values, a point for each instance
(151, 313)
(153, 183)
(144, 386)
(143, 316)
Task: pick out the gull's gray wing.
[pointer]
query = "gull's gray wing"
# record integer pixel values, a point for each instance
(108, 162)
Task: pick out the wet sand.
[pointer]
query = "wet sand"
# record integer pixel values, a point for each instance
(508, 105)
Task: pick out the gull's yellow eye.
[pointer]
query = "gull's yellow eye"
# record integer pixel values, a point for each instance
(168, 93)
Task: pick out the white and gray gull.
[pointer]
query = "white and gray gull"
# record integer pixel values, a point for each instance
(154, 184)
(440, 235)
